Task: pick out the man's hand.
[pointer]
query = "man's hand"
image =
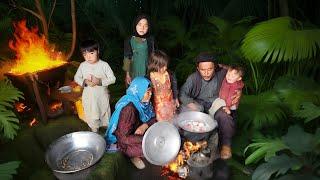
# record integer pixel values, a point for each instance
(193, 106)
(227, 110)
(177, 102)
(141, 129)
(236, 97)
(128, 78)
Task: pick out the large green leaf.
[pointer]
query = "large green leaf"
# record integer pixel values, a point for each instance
(277, 164)
(8, 123)
(261, 110)
(264, 148)
(298, 141)
(8, 120)
(280, 39)
(308, 111)
(8, 169)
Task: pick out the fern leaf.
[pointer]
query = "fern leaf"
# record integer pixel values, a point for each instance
(8, 169)
(8, 93)
(8, 123)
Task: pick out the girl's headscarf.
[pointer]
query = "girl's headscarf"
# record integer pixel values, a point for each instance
(136, 21)
(134, 94)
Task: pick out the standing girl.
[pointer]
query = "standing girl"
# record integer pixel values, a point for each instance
(164, 86)
(137, 48)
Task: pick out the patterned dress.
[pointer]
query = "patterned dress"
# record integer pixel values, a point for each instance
(164, 104)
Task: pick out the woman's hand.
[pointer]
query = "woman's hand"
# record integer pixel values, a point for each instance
(128, 78)
(141, 129)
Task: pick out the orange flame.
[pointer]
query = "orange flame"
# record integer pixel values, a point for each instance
(20, 107)
(33, 122)
(184, 155)
(33, 52)
(56, 106)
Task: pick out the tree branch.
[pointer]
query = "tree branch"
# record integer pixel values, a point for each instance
(51, 13)
(43, 19)
(14, 5)
(74, 28)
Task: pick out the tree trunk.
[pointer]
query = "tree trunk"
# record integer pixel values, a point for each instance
(74, 28)
(283, 8)
(42, 19)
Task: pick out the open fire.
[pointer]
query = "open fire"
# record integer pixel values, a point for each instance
(178, 168)
(37, 69)
(33, 52)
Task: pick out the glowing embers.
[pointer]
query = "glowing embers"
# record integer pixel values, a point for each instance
(21, 107)
(33, 52)
(33, 122)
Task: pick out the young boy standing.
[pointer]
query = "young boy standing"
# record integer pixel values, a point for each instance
(94, 75)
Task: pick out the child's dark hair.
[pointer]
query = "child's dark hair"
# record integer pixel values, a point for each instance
(239, 69)
(158, 59)
(89, 45)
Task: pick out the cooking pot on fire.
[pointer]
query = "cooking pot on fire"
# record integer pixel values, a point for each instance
(195, 125)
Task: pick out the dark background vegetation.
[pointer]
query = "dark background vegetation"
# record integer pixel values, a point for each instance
(276, 41)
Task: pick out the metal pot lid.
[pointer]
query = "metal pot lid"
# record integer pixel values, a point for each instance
(161, 143)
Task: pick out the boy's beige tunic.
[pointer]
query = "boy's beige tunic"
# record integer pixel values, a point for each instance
(95, 99)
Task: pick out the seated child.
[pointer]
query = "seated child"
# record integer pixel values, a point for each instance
(95, 76)
(230, 85)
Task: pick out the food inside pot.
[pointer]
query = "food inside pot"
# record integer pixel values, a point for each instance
(195, 126)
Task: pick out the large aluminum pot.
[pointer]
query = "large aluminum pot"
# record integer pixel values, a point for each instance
(73, 156)
(195, 125)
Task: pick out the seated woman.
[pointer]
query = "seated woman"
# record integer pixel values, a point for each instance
(132, 116)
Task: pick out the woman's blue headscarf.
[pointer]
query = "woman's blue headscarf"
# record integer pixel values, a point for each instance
(135, 93)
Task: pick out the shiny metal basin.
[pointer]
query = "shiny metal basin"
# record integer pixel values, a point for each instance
(75, 152)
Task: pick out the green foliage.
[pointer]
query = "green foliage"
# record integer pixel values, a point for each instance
(8, 120)
(175, 31)
(301, 150)
(263, 148)
(280, 39)
(308, 111)
(298, 141)
(262, 110)
(278, 164)
(294, 91)
(8, 169)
